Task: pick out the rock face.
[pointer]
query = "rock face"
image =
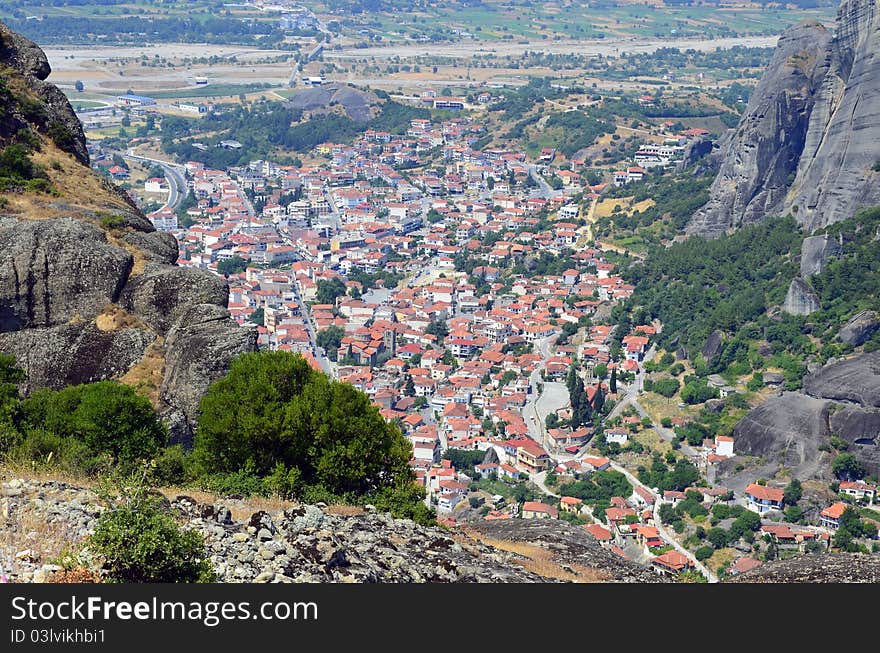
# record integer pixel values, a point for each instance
(713, 345)
(307, 543)
(26, 57)
(766, 146)
(859, 329)
(807, 142)
(87, 285)
(827, 568)
(835, 175)
(815, 253)
(841, 398)
(198, 350)
(800, 299)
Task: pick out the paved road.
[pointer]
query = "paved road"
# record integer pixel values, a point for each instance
(326, 365)
(664, 532)
(174, 173)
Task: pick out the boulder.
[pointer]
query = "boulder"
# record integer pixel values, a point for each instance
(163, 293)
(74, 353)
(855, 380)
(713, 345)
(815, 252)
(789, 428)
(198, 350)
(800, 299)
(53, 272)
(859, 329)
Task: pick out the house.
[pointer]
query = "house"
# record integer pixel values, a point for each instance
(616, 436)
(532, 457)
(671, 563)
(447, 501)
(744, 564)
(762, 499)
(603, 535)
(723, 446)
(830, 516)
(673, 496)
(508, 471)
(570, 504)
(648, 536)
(858, 490)
(538, 510)
(597, 463)
(485, 470)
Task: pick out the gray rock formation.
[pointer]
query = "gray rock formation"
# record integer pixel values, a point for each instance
(800, 299)
(855, 380)
(842, 398)
(198, 351)
(70, 354)
(26, 57)
(807, 142)
(859, 329)
(307, 543)
(713, 345)
(815, 253)
(766, 146)
(163, 293)
(789, 427)
(826, 568)
(84, 298)
(695, 152)
(835, 175)
(54, 271)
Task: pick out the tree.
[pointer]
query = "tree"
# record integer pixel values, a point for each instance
(600, 371)
(330, 339)
(666, 387)
(847, 467)
(79, 86)
(329, 289)
(10, 405)
(793, 492)
(704, 553)
(141, 543)
(232, 265)
(717, 537)
(612, 384)
(258, 316)
(108, 417)
(437, 328)
(273, 408)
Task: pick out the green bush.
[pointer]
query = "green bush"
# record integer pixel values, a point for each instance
(704, 553)
(273, 416)
(141, 543)
(107, 417)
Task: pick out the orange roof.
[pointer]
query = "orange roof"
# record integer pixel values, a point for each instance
(597, 531)
(765, 493)
(834, 511)
(673, 560)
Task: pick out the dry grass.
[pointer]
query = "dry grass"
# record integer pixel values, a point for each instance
(27, 529)
(542, 562)
(721, 558)
(146, 377)
(116, 318)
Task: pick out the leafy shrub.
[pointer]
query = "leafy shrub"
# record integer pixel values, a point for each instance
(107, 417)
(704, 553)
(141, 543)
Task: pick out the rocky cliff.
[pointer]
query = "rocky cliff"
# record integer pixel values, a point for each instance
(311, 543)
(842, 398)
(830, 568)
(89, 289)
(807, 142)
